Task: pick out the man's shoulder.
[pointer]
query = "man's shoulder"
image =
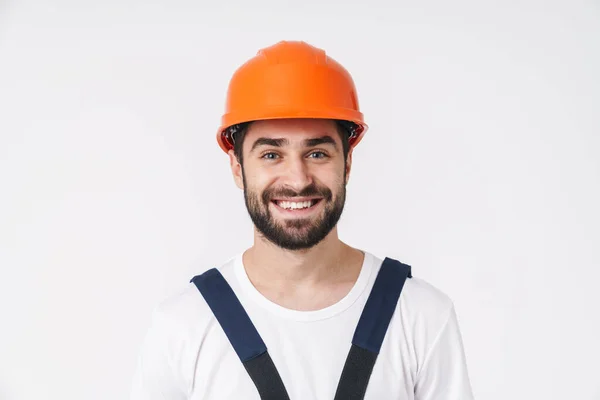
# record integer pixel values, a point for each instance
(186, 306)
(421, 303)
(421, 295)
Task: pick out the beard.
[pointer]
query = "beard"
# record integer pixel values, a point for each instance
(298, 233)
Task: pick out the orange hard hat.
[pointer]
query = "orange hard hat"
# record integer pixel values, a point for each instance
(290, 80)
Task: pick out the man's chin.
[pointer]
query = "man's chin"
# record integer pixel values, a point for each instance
(293, 242)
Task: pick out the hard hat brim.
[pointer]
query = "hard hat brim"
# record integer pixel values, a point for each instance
(231, 119)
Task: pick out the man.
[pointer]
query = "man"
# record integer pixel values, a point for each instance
(300, 315)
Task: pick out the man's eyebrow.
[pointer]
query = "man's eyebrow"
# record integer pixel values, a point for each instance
(279, 142)
(321, 140)
(269, 142)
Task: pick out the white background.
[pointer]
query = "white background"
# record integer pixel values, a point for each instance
(480, 169)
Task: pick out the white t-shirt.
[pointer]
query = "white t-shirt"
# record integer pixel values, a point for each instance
(186, 354)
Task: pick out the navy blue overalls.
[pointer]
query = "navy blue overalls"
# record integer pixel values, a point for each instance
(252, 351)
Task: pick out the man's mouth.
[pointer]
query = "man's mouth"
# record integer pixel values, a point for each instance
(296, 205)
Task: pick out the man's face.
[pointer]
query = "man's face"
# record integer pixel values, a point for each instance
(294, 179)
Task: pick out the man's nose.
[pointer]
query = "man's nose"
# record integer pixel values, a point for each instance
(297, 174)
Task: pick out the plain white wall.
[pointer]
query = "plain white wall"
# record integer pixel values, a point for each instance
(480, 169)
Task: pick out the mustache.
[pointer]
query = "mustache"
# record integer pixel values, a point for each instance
(309, 191)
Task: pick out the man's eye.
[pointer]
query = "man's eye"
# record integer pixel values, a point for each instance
(269, 156)
(317, 154)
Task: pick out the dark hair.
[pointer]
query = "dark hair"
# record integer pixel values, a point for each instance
(345, 130)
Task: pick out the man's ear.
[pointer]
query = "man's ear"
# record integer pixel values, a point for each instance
(348, 164)
(236, 169)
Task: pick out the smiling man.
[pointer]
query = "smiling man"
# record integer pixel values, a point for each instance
(298, 177)
(300, 315)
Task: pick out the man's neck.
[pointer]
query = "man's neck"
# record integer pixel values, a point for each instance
(325, 272)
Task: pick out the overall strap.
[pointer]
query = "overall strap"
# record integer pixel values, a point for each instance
(371, 329)
(242, 334)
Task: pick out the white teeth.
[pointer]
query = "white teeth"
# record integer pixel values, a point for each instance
(292, 205)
